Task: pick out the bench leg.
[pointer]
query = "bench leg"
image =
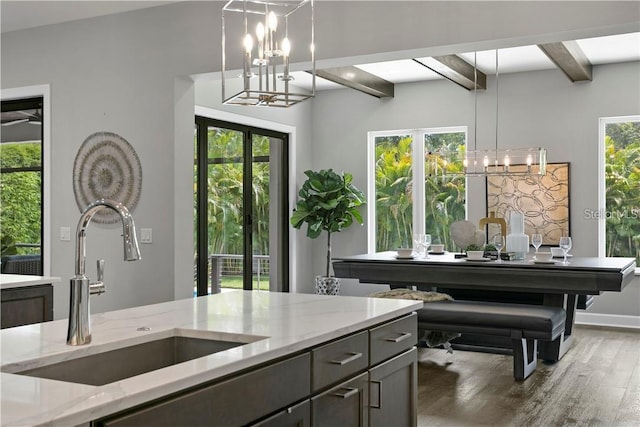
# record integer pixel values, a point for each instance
(524, 357)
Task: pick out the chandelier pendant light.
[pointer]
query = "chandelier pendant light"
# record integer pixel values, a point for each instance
(257, 31)
(495, 161)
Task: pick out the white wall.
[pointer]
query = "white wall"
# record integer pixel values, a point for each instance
(541, 108)
(130, 73)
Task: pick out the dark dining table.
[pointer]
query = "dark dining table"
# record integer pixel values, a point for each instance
(556, 284)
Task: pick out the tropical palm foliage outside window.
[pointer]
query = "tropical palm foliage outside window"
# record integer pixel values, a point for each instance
(445, 196)
(622, 187)
(225, 191)
(21, 179)
(401, 207)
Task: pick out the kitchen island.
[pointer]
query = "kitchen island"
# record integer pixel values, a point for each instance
(274, 326)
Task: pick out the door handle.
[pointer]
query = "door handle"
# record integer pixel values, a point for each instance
(378, 394)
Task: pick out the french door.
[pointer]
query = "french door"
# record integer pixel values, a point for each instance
(241, 212)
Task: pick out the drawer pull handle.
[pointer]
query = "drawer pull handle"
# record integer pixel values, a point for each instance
(352, 356)
(403, 336)
(348, 392)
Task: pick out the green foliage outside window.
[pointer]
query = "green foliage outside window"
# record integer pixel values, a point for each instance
(225, 193)
(20, 197)
(444, 196)
(622, 183)
(394, 192)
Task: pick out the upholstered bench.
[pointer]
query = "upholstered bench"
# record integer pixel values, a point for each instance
(523, 323)
(583, 301)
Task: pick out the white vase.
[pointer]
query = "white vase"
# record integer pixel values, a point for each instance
(327, 285)
(517, 241)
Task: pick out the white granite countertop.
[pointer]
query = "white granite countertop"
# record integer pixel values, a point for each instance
(8, 281)
(278, 324)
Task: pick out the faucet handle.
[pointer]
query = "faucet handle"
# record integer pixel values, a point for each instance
(100, 266)
(98, 287)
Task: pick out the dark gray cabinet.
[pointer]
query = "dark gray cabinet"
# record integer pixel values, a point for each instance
(26, 305)
(234, 402)
(368, 378)
(297, 416)
(344, 405)
(393, 387)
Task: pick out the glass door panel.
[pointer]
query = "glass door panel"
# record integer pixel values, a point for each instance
(241, 221)
(260, 217)
(225, 214)
(269, 213)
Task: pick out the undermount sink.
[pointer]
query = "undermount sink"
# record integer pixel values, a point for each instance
(115, 365)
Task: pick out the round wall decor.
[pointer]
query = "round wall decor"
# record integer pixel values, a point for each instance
(108, 167)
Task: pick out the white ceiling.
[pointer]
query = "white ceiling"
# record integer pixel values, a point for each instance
(599, 50)
(23, 14)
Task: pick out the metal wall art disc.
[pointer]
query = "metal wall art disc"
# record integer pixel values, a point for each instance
(108, 167)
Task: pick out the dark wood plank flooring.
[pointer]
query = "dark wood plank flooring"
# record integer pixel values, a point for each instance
(597, 383)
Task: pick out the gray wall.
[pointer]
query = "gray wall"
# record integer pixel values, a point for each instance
(131, 74)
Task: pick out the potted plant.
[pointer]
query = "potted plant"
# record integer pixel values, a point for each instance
(328, 202)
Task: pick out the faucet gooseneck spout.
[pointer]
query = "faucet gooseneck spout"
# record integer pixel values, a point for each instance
(79, 328)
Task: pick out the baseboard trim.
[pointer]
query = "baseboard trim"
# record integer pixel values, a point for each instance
(610, 320)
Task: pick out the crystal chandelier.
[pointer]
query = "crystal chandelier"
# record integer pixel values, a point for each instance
(496, 161)
(259, 31)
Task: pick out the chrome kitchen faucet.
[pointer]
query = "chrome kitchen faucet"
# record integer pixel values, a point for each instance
(79, 329)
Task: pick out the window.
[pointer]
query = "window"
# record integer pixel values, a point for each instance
(411, 196)
(619, 207)
(21, 186)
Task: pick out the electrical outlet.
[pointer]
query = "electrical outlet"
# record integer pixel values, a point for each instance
(146, 235)
(65, 234)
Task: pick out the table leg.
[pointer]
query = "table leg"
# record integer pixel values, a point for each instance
(553, 351)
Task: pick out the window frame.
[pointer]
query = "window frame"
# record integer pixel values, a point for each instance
(418, 175)
(40, 91)
(602, 220)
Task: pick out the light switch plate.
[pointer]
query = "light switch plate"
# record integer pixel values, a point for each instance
(146, 235)
(65, 234)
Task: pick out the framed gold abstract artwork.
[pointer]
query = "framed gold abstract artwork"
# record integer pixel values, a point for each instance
(544, 200)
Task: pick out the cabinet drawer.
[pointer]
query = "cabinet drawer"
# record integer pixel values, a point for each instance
(338, 360)
(393, 338)
(296, 416)
(343, 405)
(237, 401)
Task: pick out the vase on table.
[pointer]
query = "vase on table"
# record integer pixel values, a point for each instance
(517, 240)
(327, 285)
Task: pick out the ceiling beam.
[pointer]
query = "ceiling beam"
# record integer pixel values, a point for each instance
(570, 59)
(355, 78)
(456, 69)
